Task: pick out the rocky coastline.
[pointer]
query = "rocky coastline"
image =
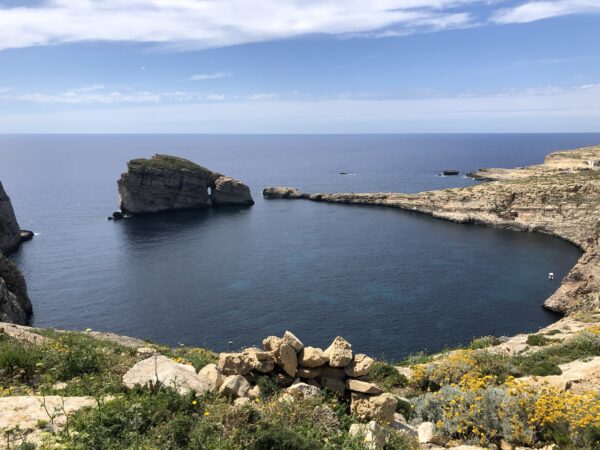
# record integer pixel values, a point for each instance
(559, 197)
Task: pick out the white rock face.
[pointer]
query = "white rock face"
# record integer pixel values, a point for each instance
(227, 191)
(164, 370)
(380, 408)
(291, 339)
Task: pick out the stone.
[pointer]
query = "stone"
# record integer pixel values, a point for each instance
(362, 387)
(380, 408)
(291, 339)
(261, 361)
(404, 428)
(227, 191)
(426, 432)
(234, 386)
(165, 183)
(360, 366)
(282, 379)
(306, 372)
(23, 334)
(303, 390)
(235, 363)
(282, 192)
(375, 436)
(163, 370)
(272, 343)
(287, 359)
(339, 352)
(254, 392)
(332, 372)
(212, 375)
(26, 412)
(312, 357)
(334, 385)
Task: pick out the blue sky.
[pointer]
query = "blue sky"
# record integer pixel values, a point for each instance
(299, 66)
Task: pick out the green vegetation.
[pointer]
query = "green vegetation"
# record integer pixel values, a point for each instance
(164, 162)
(484, 342)
(387, 376)
(537, 340)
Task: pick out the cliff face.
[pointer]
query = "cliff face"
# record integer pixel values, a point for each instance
(559, 197)
(165, 183)
(10, 232)
(15, 305)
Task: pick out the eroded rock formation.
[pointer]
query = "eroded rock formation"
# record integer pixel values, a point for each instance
(165, 183)
(15, 305)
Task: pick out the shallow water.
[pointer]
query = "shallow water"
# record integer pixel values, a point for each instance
(391, 282)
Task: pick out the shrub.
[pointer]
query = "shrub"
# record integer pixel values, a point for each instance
(388, 376)
(537, 340)
(484, 342)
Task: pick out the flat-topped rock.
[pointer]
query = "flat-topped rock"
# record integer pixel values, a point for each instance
(165, 183)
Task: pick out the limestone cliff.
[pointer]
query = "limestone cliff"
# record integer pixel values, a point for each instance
(165, 183)
(10, 232)
(560, 197)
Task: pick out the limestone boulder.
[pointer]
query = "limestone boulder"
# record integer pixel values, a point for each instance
(360, 366)
(261, 361)
(287, 359)
(236, 363)
(380, 408)
(333, 384)
(362, 386)
(426, 432)
(272, 343)
(212, 375)
(303, 390)
(163, 370)
(375, 436)
(235, 386)
(283, 192)
(291, 339)
(339, 352)
(227, 191)
(312, 357)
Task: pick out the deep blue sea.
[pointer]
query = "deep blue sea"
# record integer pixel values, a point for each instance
(389, 281)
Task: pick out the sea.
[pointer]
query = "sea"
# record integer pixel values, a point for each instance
(393, 283)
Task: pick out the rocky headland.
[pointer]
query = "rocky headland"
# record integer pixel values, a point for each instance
(166, 183)
(15, 305)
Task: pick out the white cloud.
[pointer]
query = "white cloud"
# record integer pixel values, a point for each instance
(538, 10)
(262, 96)
(210, 76)
(215, 23)
(93, 95)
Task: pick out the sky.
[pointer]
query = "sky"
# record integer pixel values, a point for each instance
(299, 66)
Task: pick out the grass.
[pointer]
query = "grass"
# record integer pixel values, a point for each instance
(387, 376)
(167, 162)
(537, 340)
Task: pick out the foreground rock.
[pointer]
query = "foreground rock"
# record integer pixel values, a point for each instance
(165, 183)
(559, 197)
(163, 370)
(26, 412)
(10, 232)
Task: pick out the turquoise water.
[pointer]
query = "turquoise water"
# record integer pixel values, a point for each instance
(391, 282)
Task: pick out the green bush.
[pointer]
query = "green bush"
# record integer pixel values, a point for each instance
(537, 340)
(388, 376)
(483, 342)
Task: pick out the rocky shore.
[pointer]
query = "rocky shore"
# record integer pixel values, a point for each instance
(560, 197)
(15, 305)
(165, 183)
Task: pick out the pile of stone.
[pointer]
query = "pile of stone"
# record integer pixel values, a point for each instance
(303, 372)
